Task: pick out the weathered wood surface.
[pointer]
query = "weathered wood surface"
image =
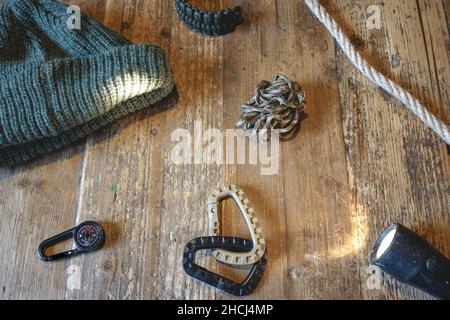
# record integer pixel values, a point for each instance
(360, 162)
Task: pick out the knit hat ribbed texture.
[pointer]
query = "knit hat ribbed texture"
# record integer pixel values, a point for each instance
(58, 85)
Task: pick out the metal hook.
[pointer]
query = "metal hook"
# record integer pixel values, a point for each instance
(88, 236)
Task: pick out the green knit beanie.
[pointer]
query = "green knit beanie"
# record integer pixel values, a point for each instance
(59, 84)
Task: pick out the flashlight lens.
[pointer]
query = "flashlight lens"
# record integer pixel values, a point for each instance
(386, 243)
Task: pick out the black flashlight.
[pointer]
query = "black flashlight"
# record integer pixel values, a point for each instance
(412, 260)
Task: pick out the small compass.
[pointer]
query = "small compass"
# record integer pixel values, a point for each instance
(89, 236)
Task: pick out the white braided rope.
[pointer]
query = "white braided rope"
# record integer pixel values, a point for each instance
(440, 128)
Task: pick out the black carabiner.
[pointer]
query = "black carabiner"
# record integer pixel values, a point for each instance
(227, 243)
(88, 236)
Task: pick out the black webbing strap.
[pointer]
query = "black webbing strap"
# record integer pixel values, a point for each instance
(210, 23)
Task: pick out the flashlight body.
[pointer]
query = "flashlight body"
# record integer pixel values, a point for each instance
(434, 276)
(412, 260)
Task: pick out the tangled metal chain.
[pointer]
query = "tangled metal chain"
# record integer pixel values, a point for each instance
(275, 106)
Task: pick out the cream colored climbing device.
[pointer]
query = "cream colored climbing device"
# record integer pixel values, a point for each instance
(259, 244)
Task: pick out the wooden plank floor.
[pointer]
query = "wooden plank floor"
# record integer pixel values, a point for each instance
(360, 162)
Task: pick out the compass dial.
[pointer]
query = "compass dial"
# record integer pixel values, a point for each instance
(89, 236)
